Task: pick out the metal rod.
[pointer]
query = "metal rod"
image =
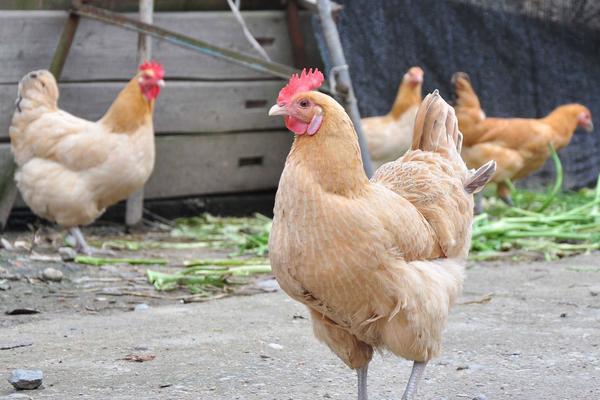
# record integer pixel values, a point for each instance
(342, 75)
(257, 64)
(134, 209)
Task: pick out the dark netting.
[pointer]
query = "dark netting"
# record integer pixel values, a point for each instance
(524, 57)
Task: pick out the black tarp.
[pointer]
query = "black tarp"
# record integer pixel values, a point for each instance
(520, 65)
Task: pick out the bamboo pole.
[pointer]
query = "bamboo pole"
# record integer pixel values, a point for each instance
(343, 82)
(135, 203)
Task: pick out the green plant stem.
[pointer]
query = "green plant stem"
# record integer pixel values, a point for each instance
(98, 261)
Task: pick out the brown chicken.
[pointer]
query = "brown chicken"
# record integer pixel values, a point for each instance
(70, 169)
(518, 145)
(378, 263)
(390, 136)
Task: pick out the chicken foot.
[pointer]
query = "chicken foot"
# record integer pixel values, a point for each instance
(413, 382)
(507, 200)
(82, 247)
(362, 382)
(80, 244)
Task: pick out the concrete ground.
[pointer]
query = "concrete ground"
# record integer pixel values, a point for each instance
(537, 337)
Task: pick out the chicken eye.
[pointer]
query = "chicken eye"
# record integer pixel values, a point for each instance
(304, 103)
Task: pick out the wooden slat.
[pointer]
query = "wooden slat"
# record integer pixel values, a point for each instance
(181, 107)
(190, 165)
(102, 52)
(221, 163)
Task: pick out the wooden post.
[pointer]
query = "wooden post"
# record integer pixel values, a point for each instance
(343, 82)
(135, 203)
(293, 20)
(8, 189)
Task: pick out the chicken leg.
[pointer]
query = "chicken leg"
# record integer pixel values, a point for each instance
(504, 193)
(413, 382)
(80, 244)
(362, 382)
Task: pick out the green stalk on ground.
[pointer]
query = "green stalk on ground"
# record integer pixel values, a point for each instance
(193, 277)
(554, 225)
(99, 261)
(557, 183)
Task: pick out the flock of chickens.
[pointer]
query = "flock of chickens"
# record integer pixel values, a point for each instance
(518, 145)
(378, 262)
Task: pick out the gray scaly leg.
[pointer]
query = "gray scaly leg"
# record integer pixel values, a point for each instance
(80, 244)
(413, 382)
(362, 382)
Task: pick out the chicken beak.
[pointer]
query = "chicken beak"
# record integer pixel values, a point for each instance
(161, 83)
(277, 110)
(590, 127)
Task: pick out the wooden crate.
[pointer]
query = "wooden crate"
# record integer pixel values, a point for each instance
(213, 132)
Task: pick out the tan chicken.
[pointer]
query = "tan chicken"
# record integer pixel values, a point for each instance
(390, 136)
(518, 145)
(378, 263)
(70, 169)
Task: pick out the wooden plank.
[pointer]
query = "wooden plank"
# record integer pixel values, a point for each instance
(102, 52)
(221, 163)
(182, 107)
(191, 165)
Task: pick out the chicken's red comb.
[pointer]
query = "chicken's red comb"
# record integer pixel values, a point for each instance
(306, 81)
(159, 71)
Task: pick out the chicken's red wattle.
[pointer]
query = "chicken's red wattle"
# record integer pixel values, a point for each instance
(295, 125)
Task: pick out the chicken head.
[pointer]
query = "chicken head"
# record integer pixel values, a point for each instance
(301, 114)
(151, 79)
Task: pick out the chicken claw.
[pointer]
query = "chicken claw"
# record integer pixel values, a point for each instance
(82, 247)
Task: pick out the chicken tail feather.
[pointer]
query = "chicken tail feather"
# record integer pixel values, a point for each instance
(436, 126)
(478, 179)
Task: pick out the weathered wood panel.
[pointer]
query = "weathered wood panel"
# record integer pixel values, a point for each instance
(191, 165)
(182, 107)
(103, 52)
(222, 163)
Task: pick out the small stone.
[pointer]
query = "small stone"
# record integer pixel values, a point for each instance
(480, 397)
(4, 285)
(22, 245)
(275, 346)
(52, 275)
(141, 307)
(563, 315)
(268, 285)
(67, 253)
(6, 244)
(24, 379)
(462, 367)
